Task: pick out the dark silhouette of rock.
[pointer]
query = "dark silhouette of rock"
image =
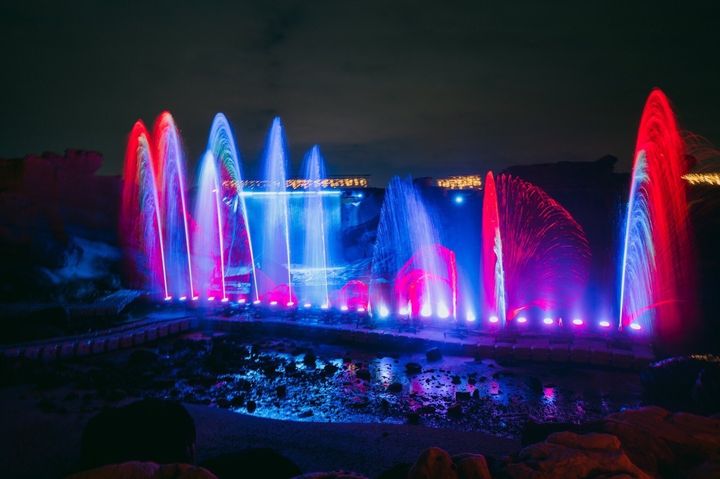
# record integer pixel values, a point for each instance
(147, 430)
(413, 368)
(433, 354)
(253, 462)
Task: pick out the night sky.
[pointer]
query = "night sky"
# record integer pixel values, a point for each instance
(428, 88)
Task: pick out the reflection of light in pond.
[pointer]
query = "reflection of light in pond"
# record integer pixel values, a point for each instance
(385, 371)
(549, 395)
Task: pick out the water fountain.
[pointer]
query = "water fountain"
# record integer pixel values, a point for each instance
(412, 274)
(656, 259)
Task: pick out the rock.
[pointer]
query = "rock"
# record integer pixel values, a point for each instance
(281, 391)
(413, 368)
(433, 354)
(462, 395)
(309, 359)
(330, 369)
(145, 470)
(455, 411)
(395, 388)
(413, 418)
(657, 440)
(363, 374)
(305, 414)
(251, 406)
(471, 466)
(456, 380)
(433, 463)
(240, 463)
(149, 430)
(565, 455)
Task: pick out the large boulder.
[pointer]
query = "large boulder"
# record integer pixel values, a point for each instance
(145, 470)
(570, 455)
(433, 463)
(662, 443)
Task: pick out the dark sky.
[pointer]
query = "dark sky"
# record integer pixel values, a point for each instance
(386, 87)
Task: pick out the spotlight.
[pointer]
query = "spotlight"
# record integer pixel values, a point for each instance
(459, 199)
(168, 298)
(493, 319)
(577, 322)
(635, 326)
(403, 311)
(360, 309)
(257, 301)
(242, 301)
(522, 320)
(604, 324)
(325, 306)
(307, 305)
(383, 311)
(425, 311)
(443, 312)
(290, 304)
(182, 298)
(273, 303)
(343, 307)
(211, 298)
(548, 321)
(470, 316)
(195, 298)
(225, 300)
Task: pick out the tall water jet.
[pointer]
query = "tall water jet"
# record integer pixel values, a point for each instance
(315, 233)
(411, 273)
(208, 243)
(545, 253)
(239, 257)
(493, 275)
(656, 262)
(169, 163)
(140, 220)
(272, 241)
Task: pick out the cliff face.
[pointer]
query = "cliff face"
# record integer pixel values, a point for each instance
(58, 223)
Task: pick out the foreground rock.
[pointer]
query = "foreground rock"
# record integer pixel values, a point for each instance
(435, 463)
(145, 470)
(570, 455)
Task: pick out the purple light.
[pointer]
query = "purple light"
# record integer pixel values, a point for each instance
(577, 322)
(273, 303)
(241, 301)
(225, 300)
(257, 301)
(604, 324)
(635, 326)
(470, 316)
(290, 304)
(548, 321)
(522, 320)
(343, 307)
(211, 298)
(307, 305)
(360, 309)
(494, 319)
(182, 298)
(168, 298)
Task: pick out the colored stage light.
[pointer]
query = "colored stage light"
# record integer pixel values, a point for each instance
(182, 298)
(290, 304)
(257, 301)
(604, 324)
(494, 319)
(360, 309)
(343, 307)
(225, 300)
(459, 199)
(443, 311)
(242, 301)
(548, 321)
(577, 322)
(522, 320)
(211, 298)
(426, 311)
(383, 311)
(635, 326)
(307, 305)
(273, 303)
(168, 298)
(470, 316)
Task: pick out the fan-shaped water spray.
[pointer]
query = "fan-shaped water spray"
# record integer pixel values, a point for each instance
(545, 254)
